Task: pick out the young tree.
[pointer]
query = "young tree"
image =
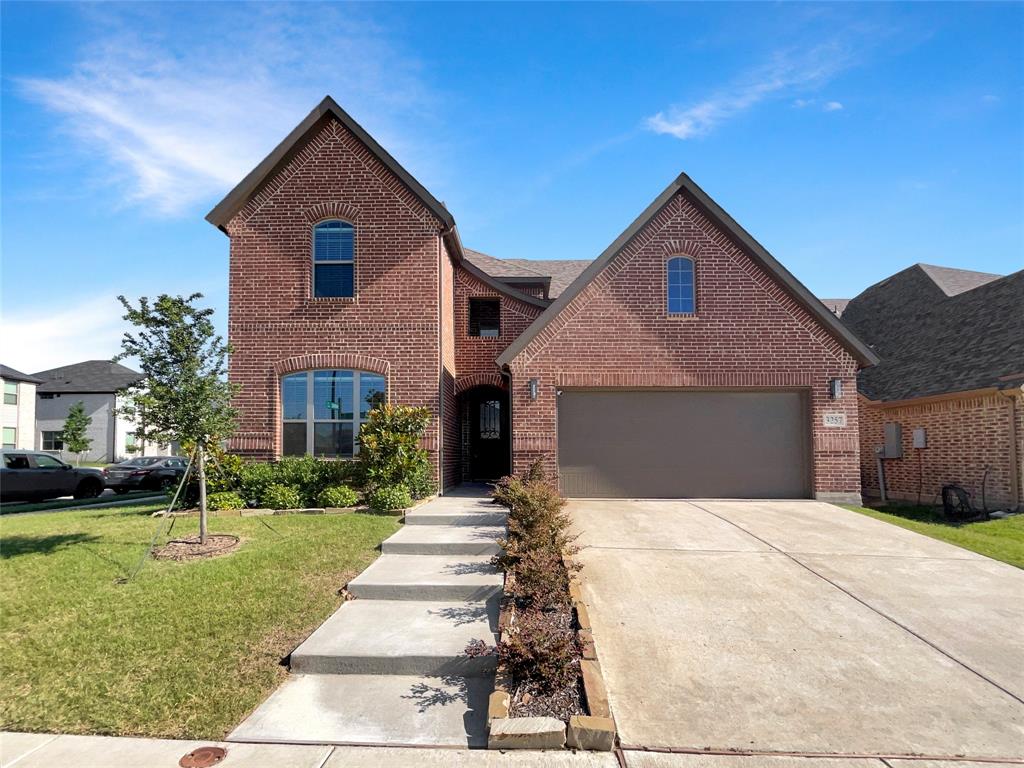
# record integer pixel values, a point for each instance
(76, 425)
(183, 394)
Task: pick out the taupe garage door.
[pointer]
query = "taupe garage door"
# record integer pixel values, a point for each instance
(677, 444)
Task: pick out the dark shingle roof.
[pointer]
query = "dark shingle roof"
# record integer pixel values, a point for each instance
(90, 376)
(953, 282)
(561, 272)
(933, 342)
(10, 374)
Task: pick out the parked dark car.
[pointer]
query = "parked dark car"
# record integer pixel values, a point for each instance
(146, 473)
(31, 476)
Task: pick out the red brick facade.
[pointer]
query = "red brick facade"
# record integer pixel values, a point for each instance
(394, 316)
(965, 434)
(409, 318)
(747, 332)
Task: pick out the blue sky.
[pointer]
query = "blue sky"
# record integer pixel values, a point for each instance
(851, 140)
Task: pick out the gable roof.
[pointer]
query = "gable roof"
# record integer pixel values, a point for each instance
(556, 274)
(10, 374)
(724, 221)
(933, 342)
(953, 282)
(838, 306)
(96, 376)
(501, 287)
(561, 271)
(323, 112)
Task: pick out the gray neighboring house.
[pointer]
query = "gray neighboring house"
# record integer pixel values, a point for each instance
(18, 409)
(95, 383)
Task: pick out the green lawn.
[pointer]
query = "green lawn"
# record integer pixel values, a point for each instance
(998, 539)
(185, 650)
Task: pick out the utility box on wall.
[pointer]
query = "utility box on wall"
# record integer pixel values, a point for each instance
(893, 440)
(920, 437)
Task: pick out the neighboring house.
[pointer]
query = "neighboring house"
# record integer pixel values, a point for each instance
(96, 384)
(683, 361)
(952, 372)
(19, 408)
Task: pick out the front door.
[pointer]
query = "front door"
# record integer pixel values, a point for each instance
(488, 434)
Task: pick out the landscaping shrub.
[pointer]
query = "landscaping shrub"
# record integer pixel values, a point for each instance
(337, 496)
(389, 498)
(223, 471)
(224, 500)
(309, 475)
(390, 452)
(254, 481)
(541, 651)
(278, 496)
(421, 481)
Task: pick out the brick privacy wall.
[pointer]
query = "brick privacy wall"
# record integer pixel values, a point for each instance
(272, 316)
(747, 332)
(964, 435)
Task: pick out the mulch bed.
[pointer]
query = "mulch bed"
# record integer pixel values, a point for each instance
(191, 549)
(527, 699)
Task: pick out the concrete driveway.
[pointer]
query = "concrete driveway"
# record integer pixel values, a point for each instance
(799, 628)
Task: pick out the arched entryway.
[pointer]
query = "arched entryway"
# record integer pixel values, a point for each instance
(484, 414)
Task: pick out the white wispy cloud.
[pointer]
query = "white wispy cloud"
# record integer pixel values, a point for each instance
(832, 106)
(787, 72)
(179, 119)
(84, 329)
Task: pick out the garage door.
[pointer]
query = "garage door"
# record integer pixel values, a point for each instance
(677, 444)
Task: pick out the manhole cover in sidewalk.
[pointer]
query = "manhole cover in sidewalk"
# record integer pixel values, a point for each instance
(203, 757)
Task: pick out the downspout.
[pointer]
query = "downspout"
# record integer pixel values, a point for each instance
(1016, 469)
(440, 366)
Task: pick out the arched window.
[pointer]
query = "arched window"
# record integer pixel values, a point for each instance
(334, 259)
(681, 291)
(322, 411)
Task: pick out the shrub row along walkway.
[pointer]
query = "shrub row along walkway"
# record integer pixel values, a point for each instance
(390, 667)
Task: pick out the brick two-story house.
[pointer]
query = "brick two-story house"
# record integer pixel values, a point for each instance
(683, 361)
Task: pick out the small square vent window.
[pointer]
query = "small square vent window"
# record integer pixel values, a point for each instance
(485, 317)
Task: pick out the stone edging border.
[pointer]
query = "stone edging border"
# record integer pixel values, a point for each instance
(593, 731)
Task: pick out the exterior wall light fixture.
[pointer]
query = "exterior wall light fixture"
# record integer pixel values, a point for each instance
(534, 387)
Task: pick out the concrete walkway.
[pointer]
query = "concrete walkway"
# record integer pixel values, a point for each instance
(799, 627)
(41, 750)
(390, 666)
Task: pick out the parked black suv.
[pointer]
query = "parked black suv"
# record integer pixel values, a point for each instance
(148, 473)
(31, 476)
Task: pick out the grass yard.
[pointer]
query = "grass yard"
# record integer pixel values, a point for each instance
(998, 539)
(186, 649)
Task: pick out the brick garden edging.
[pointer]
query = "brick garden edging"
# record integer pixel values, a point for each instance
(594, 731)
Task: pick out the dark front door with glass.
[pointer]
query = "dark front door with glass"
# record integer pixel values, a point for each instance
(488, 435)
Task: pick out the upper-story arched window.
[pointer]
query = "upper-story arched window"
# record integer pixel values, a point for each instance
(334, 256)
(682, 295)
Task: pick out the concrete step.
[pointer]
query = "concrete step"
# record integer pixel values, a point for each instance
(400, 637)
(372, 709)
(455, 510)
(428, 577)
(444, 540)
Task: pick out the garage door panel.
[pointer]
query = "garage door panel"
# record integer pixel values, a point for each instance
(677, 444)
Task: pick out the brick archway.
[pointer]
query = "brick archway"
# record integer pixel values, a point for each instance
(462, 383)
(331, 360)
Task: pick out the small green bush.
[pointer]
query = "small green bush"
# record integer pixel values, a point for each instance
(223, 472)
(278, 496)
(254, 480)
(420, 481)
(224, 500)
(337, 496)
(389, 498)
(390, 452)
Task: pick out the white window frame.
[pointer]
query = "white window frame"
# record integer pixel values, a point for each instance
(11, 389)
(13, 445)
(311, 421)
